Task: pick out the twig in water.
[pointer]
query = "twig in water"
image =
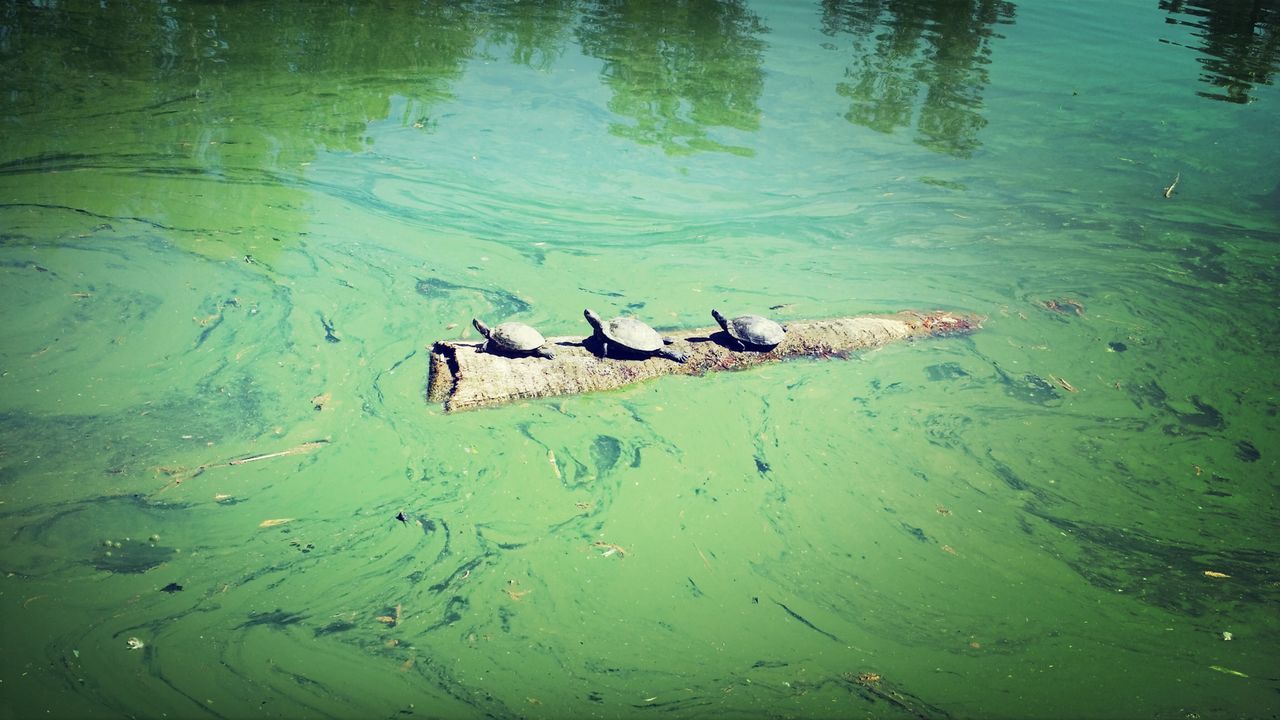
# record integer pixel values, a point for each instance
(304, 447)
(182, 474)
(1168, 192)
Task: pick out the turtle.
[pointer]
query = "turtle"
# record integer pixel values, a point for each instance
(630, 334)
(750, 331)
(513, 339)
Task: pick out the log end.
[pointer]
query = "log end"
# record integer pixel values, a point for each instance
(942, 324)
(442, 375)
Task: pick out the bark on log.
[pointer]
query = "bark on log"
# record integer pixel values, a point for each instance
(463, 378)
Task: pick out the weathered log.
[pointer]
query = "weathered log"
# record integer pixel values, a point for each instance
(463, 378)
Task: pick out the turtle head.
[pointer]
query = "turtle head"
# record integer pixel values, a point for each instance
(720, 319)
(480, 327)
(593, 318)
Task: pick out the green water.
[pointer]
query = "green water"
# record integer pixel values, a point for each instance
(230, 231)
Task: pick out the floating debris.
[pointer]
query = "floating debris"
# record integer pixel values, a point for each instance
(274, 522)
(872, 686)
(329, 334)
(706, 563)
(391, 620)
(1062, 383)
(1064, 305)
(512, 592)
(171, 588)
(304, 447)
(182, 474)
(134, 643)
(1215, 574)
(1227, 671)
(1168, 192)
(608, 549)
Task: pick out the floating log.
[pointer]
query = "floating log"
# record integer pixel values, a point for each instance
(463, 378)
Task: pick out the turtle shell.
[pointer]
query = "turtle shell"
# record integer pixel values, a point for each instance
(632, 333)
(516, 337)
(755, 330)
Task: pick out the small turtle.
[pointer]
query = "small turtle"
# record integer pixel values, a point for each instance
(750, 331)
(630, 334)
(513, 339)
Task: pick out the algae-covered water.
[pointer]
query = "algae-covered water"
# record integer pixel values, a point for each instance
(230, 233)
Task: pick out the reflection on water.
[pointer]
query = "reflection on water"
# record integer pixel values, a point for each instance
(192, 62)
(1239, 39)
(536, 33)
(678, 69)
(918, 64)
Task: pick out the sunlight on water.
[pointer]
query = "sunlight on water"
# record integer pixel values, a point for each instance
(230, 237)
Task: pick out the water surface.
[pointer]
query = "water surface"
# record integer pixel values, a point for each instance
(229, 235)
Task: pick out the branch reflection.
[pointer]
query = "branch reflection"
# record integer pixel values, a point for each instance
(678, 68)
(918, 63)
(1239, 43)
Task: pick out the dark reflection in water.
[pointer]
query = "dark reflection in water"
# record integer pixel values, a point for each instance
(235, 97)
(918, 63)
(677, 68)
(1239, 40)
(192, 66)
(536, 32)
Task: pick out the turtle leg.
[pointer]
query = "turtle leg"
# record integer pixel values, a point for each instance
(483, 348)
(604, 348)
(545, 352)
(736, 344)
(670, 354)
(666, 339)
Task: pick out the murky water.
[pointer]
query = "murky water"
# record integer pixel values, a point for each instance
(230, 233)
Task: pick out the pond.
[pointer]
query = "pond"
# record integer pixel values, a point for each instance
(230, 235)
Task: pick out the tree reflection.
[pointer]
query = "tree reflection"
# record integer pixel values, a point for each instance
(918, 54)
(299, 76)
(677, 68)
(535, 30)
(1240, 42)
(240, 97)
(284, 80)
